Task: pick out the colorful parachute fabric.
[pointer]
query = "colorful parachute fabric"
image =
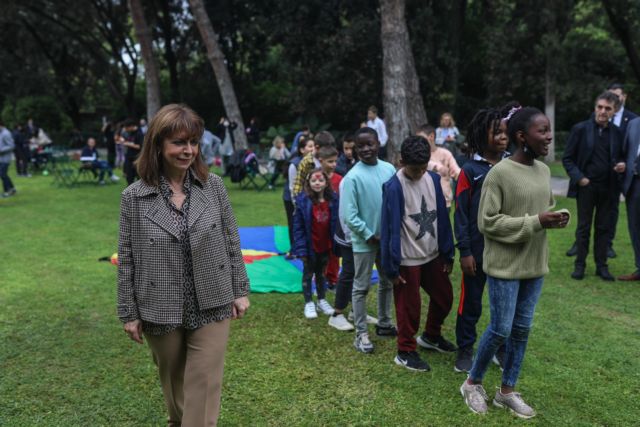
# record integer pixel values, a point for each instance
(263, 250)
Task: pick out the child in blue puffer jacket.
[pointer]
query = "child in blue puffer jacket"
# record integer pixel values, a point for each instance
(314, 223)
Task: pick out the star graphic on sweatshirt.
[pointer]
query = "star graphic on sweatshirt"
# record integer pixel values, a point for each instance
(424, 219)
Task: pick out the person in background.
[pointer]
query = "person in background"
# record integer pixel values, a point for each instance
(592, 159)
(311, 161)
(132, 138)
(108, 137)
(515, 257)
(328, 157)
(306, 132)
(21, 151)
(143, 125)
(447, 132)
(631, 191)
(361, 208)
(314, 222)
(209, 145)
(487, 138)
(181, 276)
(278, 156)
(417, 252)
(441, 162)
(6, 151)
(347, 158)
(224, 131)
(376, 123)
(90, 155)
(305, 146)
(253, 135)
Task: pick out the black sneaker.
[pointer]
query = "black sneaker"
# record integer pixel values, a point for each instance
(436, 343)
(573, 250)
(411, 360)
(464, 360)
(386, 332)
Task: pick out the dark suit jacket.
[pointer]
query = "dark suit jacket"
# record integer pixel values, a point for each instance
(627, 116)
(150, 276)
(579, 150)
(630, 152)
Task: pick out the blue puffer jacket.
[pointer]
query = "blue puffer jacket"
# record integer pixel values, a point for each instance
(392, 215)
(302, 218)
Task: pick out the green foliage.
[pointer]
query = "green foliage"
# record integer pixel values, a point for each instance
(45, 111)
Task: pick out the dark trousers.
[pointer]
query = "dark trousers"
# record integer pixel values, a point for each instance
(470, 307)
(314, 266)
(615, 211)
(6, 181)
(436, 284)
(633, 218)
(129, 170)
(345, 280)
(288, 208)
(596, 197)
(22, 160)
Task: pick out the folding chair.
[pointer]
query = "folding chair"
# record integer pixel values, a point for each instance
(257, 176)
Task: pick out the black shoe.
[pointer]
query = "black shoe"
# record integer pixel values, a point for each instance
(611, 253)
(573, 250)
(436, 343)
(411, 360)
(578, 273)
(604, 274)
(464, 360)
(386, 332)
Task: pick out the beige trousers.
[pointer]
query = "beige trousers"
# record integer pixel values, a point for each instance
(190, 364)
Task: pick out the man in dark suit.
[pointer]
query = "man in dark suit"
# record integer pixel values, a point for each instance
(631, 191)
(592, 159)
(620, 119)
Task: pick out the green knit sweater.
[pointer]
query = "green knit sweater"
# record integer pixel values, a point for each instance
(515, 244)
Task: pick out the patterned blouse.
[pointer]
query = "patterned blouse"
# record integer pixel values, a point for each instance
(192, 316)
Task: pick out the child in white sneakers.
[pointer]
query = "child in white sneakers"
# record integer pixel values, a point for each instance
(314, 223)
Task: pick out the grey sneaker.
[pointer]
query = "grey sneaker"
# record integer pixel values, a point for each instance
(513, 402)
(475, 397)
(363, 344)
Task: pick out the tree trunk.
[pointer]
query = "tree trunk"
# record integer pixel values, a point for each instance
(217, 60)
(166, 26)
(402, 100)
(550, 106)
(145, 38)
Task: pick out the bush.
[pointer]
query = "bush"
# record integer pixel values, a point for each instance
(44, 110)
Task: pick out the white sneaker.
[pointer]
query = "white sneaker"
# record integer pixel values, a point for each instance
(310, 310)
(340, 323)
(370, 319)
(115, 178)
(325, 307)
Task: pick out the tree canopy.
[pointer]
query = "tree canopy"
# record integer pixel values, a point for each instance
(291, 59)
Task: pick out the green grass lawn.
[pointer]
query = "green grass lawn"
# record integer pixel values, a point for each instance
(557, 170)
(64, 360)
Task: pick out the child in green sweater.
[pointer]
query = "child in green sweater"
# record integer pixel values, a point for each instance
(513, 217)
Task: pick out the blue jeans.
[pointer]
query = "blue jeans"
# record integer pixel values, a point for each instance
(512, 304)
(6, 181)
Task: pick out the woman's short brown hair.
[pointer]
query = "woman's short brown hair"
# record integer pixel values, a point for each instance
(171, 120)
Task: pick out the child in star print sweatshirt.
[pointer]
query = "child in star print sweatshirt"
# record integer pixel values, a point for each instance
(417, 252)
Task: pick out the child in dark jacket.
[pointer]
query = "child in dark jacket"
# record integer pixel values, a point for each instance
(487, 139)
(314, 224)
(417, 251)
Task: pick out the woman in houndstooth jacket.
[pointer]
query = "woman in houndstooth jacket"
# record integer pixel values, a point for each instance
(181, 276)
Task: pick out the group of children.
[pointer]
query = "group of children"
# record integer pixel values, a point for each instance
(399, 221)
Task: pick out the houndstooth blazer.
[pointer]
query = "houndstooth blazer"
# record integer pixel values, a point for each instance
(150, 260)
